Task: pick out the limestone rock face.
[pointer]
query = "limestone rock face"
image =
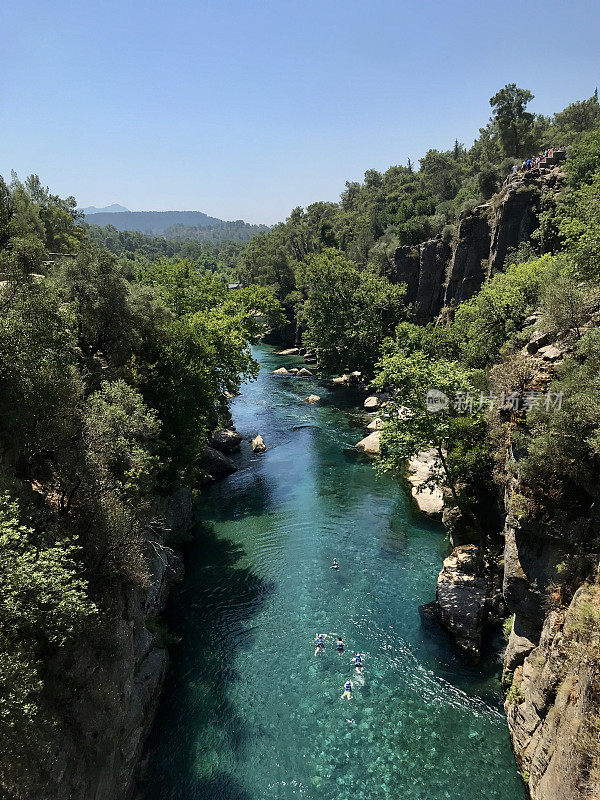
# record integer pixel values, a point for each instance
(118, 685)
(438, 274)
(226, 440)
(461, 598)
(516, 212)
(423, 269)
(466, 272)
(216, 464)
(370, 444)
(429, 500)
(551, 712)
(258, 444)
(530, 561)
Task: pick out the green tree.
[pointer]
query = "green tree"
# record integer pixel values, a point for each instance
(513, 122)
(347, 313)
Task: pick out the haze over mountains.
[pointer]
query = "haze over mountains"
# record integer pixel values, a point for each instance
(172, 224)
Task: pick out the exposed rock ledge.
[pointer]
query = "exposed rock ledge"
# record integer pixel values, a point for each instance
(429, 499)
(461, 598)
(552, 708)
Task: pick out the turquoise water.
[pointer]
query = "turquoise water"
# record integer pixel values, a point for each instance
(249, 712)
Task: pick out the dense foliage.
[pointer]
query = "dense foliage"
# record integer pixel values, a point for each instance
(112, 373)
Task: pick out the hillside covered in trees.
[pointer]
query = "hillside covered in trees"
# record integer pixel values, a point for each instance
(112, 373)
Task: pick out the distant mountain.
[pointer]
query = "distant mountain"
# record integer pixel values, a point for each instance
(154, 222)
(112, 209)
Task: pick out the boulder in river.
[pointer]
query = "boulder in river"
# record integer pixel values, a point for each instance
(258, 444)
(461, 598)
(215, 464)
(291, 351)
(430, 499)
(293, 370)
(280, 371)
(226, 440)
(375, 425)
(342, 380)
(371, 403)
(304, 373)
(312, 398)
(370, 444)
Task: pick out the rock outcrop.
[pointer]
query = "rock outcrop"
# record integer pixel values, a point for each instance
(312, 399)
(552, 706)
(118, 680)
(227, 440)
(215, 464)
(461, 598)
(468, 266)
(423, 269)
(430, 499)
(437, 274)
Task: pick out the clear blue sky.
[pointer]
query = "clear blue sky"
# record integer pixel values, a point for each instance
(247, 108)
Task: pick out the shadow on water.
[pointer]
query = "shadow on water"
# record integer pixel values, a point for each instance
(198, 732)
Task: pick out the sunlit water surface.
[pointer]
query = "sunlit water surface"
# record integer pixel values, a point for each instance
(249, 712)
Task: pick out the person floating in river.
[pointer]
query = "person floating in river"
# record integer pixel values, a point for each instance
(340, 645)
(335, 564)
(320, 640)
(347, 691)
(358, 662)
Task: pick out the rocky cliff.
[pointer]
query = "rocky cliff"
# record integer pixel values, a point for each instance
(116, 681)
(552, 706)
(439, 274)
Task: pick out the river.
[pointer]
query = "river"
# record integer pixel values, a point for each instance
(249, 712)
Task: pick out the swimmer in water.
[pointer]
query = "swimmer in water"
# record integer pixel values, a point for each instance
(340, 646)
(335, 564)
(347, 691)
(320, 640)
(358, 662)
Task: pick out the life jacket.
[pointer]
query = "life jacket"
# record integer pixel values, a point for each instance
(358, 660)
(340, 645)
(348, 686)
(320, 641)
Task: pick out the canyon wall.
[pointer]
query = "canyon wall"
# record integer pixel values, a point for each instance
(116, 681)
(439, 274)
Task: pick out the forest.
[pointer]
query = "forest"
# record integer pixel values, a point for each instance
(112, 373)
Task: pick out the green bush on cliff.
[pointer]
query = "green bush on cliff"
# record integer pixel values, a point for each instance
(43, 605)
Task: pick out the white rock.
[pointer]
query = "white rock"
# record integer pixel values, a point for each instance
(291, 351)
(258, 444)
(370, 444)
(312, 398)
(420, 467)
(375, 425)
(280, 371)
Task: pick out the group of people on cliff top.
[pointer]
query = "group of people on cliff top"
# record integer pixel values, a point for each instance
(531, 163)
(357, 660)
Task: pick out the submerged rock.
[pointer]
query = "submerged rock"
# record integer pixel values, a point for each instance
(291, 351)
(226, 440)
(258, 444)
